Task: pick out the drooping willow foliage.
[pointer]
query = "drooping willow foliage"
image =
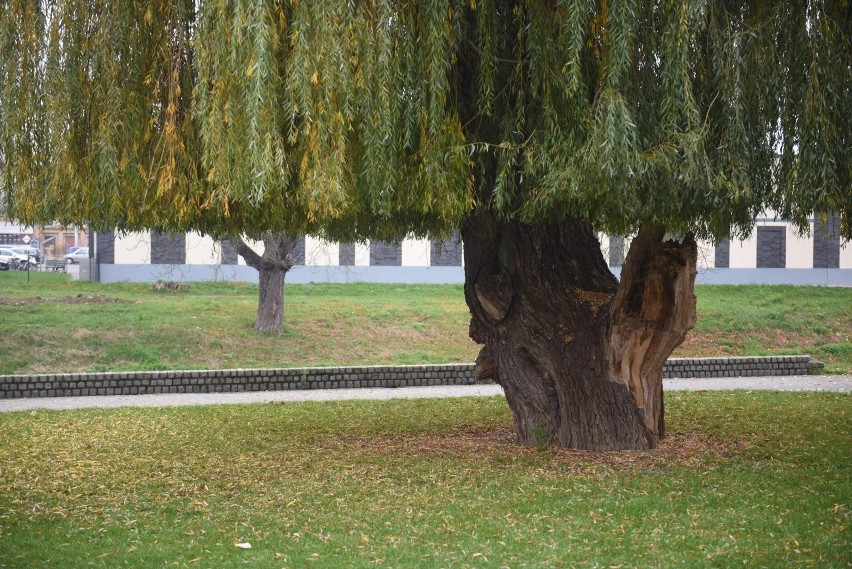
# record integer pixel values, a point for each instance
(378, 118)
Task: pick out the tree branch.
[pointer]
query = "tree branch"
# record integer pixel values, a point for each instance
(277, 254)
(250, 255)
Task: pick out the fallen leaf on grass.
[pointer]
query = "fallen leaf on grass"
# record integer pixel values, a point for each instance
(244, 545)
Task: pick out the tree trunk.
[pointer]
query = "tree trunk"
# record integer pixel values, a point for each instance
(272, 267)
(270, 306)
(578, 354)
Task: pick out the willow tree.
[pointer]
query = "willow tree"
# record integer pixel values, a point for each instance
(531, 126)
(147, 115)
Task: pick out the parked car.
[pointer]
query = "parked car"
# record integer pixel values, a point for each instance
(77, 255)
(5, 259)
(11, 259)
(33, 253)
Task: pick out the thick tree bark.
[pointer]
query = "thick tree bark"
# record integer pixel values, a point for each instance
(579, 355)
(272, 266)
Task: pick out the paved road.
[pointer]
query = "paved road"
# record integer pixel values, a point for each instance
(842, 383)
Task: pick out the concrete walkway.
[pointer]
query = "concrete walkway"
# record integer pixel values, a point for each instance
(840, 383)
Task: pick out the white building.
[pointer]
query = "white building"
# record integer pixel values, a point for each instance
(774, 254)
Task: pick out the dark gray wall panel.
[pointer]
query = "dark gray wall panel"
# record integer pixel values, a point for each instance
(827, 243)
(229, 252)
(771, 247)
(168, 249)
(105, 246)
(447, 253)
(299, 252)
(385, 254)
(723, 254)
(347, 254)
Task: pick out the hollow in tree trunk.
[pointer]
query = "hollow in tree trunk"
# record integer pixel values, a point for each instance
(272, 267)
(578, 354)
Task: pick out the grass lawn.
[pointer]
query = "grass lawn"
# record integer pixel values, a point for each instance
(746, 479)
(210, 326)
(766, 320)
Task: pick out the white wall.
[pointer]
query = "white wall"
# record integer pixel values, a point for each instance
(706, 255)
(202, 250)
(256, 245)
(362, 254)
(416, 252)
(744, 253)
(800, 250)
(846, 255)
(604, 240)
(133, 248)
(320, 252)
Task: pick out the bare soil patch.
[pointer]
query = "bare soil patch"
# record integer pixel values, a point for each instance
(79, 299)
(499, 442)
(716, 344)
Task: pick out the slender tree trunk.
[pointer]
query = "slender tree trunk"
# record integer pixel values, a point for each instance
(272, 267)
(270, 306)
(579, 355)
